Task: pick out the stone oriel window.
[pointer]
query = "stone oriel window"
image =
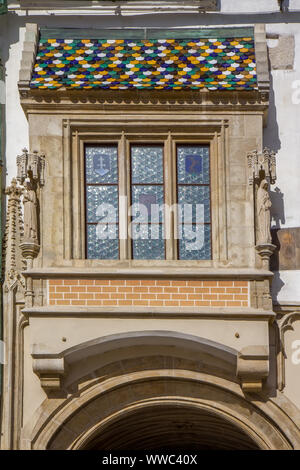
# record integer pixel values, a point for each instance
(200, 87)
(151, 226)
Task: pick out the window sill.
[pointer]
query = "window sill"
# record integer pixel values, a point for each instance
(126, 271)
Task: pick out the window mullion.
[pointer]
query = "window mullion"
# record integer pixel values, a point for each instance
(123, 199)
(128, 195)
(174, 200)
(168, 183)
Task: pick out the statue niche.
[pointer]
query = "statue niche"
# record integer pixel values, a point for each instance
(30, 212)
(31, 174)
(262, 173)
(263, 213)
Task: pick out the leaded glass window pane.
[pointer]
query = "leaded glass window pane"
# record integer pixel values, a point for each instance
(101, 170)
(192, 164)
(148, 202)
(193, 197)
(147, 164)
(102, 203)
(101, 164)
(195, 242)
(194, 203)
(150, 244)
(102, 248)
(147, 199)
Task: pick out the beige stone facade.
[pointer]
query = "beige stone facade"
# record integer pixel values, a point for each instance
(101, 348)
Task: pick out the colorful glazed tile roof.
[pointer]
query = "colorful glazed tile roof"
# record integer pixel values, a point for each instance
(217, 63)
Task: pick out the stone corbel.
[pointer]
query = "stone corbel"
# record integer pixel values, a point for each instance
(265, 251)
(253, 368)
(50, 371)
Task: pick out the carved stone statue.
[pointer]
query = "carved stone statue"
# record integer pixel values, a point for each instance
(30, 213)
(263, 213)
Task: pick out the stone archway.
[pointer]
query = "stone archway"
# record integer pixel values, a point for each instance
(174, 425)
(85, 419)
(129, 387)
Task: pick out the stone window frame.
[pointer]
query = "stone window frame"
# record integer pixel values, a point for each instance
(168, 130)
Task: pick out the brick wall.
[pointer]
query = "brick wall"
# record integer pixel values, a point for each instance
(148, 293)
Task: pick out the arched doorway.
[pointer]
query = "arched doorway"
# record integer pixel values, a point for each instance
(160, 392)
(157, 428)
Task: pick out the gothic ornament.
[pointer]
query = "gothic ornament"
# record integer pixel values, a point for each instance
(262, 165)
(262, 173)
(13, 263)
(31, 174)
(31, 165)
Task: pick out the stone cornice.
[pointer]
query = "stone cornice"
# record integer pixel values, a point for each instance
(284, 308)
(153, 312)
(104, 272)
(65, 100)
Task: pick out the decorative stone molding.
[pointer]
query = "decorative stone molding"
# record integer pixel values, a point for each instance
(260, 297)
(52, 365)
(261, 165)
(13, 261)
(253, 367)
(29, 250)
(31, 174)
(13, 300)
(31, 165)
(64, 99)
(128, 272)
(262, 173)
(273, 421)
(265, 252)
(251, 364)
(50, 371)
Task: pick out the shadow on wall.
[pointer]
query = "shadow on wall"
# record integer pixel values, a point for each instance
(277, 218)
(277, 209)
(285, 5)
(271, 132)
(277, 285)
(272, 141)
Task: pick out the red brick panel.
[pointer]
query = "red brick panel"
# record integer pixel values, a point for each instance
(148, 293)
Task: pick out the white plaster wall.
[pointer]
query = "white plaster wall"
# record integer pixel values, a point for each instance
(282, 134)
(292, 363)
(16, 127)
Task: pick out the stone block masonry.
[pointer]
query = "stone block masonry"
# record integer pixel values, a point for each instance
(148, 293)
